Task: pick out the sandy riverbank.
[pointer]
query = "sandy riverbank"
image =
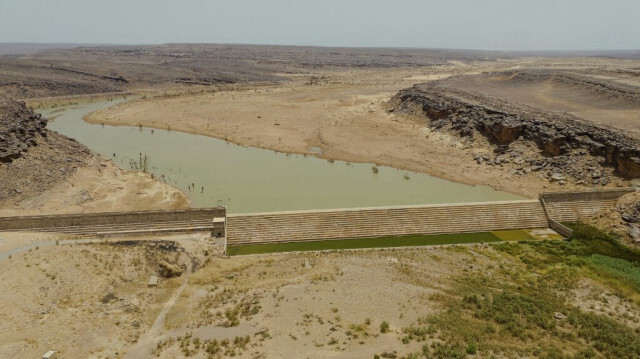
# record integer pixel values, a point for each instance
(100, 186)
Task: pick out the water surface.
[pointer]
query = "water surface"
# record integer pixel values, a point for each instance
(245, 179)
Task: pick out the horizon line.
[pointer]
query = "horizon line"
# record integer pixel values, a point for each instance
(97, 44)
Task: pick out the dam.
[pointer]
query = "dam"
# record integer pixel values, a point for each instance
(397, 223)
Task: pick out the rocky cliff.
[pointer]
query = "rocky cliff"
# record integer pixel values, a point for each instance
(560, 138)
(32, 158)
(19, 128)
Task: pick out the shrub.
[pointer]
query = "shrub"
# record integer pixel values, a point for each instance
(448, 351)
(606, 334)
(384, 327)
(472, 348)
(232, 317)
(212, 347)
(108, 298)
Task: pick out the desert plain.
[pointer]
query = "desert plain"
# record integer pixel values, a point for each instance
(518, 122)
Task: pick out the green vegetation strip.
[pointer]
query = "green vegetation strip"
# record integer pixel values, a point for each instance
(380, 242)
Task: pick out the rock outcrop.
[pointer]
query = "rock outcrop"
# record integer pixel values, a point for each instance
(32, 158)
(559, 137)
(19, 128)
(623, 217)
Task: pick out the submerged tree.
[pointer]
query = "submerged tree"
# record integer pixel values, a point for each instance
(141, 165)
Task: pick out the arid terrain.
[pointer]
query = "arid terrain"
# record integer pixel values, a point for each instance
(92, 300)
(520, 122)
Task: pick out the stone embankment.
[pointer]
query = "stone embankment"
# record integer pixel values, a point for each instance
(580, 206)
(559, 145)
(109, 224)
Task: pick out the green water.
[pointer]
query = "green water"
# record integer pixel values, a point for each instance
(245, 179)
(381, 242)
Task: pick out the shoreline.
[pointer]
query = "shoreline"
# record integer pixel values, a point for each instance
(348, 159)
(100, 185)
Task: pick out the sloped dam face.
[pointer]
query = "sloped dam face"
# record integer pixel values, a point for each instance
(214, 172)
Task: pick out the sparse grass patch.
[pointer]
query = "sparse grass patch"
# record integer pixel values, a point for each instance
(191, 346)
(516, 310)
(224, 308)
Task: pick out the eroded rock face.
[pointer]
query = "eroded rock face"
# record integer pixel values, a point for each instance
(19, 128)
(630, 212)
(555, 134)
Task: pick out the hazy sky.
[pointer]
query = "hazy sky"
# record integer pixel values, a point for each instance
(470, 24)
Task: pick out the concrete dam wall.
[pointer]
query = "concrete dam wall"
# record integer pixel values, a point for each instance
(383, 221)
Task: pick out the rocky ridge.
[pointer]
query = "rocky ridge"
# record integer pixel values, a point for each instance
(610, 90)
(560, 146)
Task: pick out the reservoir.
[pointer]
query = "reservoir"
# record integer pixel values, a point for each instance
(245, 179)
